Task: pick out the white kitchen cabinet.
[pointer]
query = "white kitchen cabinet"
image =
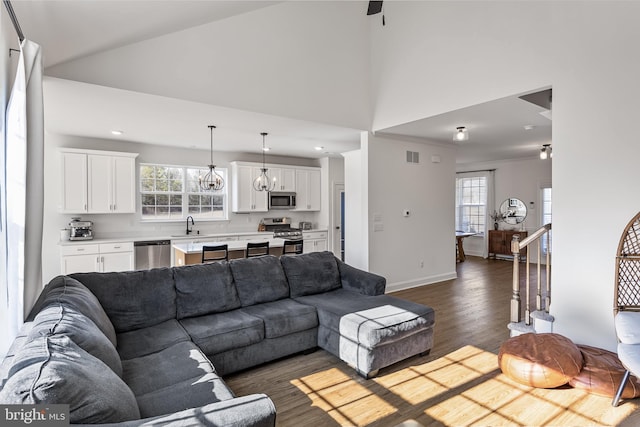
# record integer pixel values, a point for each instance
(244, 197)
(98, 182)
(285, 178)
(307, 189)
(73, 197)
(92, 257)
(314, 241)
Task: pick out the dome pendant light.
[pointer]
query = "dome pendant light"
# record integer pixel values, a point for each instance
(262, 182)
(212, 181)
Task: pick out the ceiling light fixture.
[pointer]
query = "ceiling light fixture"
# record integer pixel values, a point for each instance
(318, 148)
(212, 181)
(262, 182)
(117, 132)
(461, 134)
(546, 152)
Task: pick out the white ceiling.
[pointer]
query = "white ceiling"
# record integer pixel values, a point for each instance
(72, 29)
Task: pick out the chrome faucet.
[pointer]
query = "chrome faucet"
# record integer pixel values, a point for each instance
(189, 230)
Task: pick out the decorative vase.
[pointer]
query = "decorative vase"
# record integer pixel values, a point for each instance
(495, 225)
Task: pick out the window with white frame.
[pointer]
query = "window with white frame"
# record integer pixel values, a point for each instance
(471, 204)
(546, 217)
(173, 192)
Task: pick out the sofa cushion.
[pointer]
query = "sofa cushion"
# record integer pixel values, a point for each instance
(134, 299)
(284, 317)
(220, 332)
(311, 273)
(72, 293)
(54, 370)
(370, 320)
(64, 320)
(205, 289)
(150, 340)
(174, 379)
(259, 279)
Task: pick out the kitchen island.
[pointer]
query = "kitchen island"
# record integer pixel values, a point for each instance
(191, 252)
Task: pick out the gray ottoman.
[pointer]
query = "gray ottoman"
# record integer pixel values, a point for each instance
(371, 332)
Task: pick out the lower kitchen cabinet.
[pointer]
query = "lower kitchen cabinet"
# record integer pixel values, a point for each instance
(100, 257)
(314, 241)
(500, 241)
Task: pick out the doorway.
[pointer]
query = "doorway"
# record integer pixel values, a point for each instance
(337, 233)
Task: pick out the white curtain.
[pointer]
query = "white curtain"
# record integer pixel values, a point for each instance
(490, 203)
(23, 196)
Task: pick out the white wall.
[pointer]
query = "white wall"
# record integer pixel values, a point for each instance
(420, 248)
(522, 179)
(306, 60)
(425, 65)
(356, 222)
(123, 225)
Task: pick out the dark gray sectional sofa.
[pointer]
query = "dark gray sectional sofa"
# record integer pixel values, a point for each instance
(150, 347)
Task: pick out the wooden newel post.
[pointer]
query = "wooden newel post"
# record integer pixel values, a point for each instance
(515, 290)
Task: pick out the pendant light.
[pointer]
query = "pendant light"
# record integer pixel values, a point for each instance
(262, 182)
(212, 181)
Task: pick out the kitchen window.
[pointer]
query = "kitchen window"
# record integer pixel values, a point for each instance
(171, 193)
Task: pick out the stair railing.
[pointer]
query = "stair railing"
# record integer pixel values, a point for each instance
(516, 249)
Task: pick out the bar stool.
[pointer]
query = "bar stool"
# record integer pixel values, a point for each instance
(292, 247)
(215, 253)
(257, 249)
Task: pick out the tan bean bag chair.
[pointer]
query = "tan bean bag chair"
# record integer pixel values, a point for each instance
(540, 360)
(602, 373)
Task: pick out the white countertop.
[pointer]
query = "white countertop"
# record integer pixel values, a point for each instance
(183, 238)
(233, 245)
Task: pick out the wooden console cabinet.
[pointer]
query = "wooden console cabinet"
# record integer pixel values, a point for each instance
(500, 241)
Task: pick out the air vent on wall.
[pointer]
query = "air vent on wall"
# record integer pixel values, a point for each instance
(413, 157)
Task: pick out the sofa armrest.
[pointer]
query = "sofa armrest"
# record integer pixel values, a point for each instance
(360, 281)
(255, 410)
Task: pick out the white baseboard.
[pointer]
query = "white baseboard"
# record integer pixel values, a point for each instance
(414, 283)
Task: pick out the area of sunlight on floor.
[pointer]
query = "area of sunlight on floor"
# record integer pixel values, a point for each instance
(463, 388)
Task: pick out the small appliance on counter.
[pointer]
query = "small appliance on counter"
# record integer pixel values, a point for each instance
(305, 225)
(80, 230)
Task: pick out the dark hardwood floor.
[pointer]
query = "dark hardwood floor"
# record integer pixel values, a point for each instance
(457, 384)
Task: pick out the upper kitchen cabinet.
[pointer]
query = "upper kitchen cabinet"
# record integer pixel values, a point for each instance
(97, 181)
(285, 178)
(244, 197)
(308, 189)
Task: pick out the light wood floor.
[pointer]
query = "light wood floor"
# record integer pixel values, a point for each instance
(457, 384)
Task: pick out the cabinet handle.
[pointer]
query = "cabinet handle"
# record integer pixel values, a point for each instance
(116, 247)
(79, 249)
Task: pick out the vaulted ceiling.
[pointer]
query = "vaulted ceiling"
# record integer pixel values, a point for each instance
(161, 71)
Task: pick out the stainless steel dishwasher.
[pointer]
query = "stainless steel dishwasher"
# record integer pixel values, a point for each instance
(152, 254)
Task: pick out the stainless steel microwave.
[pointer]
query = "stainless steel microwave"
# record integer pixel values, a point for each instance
(282, 200)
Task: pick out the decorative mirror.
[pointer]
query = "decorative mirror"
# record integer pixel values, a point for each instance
(513, 211)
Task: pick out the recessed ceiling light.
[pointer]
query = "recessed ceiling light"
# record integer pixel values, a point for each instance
(266, 149)
(528, 127)
(117, 132)
(318, 148)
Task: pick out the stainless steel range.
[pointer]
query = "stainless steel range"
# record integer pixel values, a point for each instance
(281, 228)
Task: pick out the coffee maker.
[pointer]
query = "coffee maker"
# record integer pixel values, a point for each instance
(80, 230)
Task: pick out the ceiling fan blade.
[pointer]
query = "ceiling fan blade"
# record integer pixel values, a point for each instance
(374, 7)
